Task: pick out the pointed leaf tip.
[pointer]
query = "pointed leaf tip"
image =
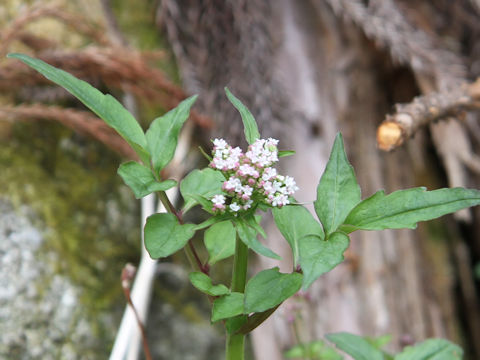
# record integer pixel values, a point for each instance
(405, 208)
(279, 287)
(249, 123)
(103, 105)
(338, 191)
(162, 136)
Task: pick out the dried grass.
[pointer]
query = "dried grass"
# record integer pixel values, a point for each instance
(102, 63)
(82, 122)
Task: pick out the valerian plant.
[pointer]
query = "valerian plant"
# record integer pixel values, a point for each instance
(234, 190)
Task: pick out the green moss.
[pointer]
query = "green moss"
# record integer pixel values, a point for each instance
(91, 219)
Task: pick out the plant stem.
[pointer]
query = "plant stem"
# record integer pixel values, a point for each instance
(190, 251)
(162, 195)
(239, 275)
(235, 346)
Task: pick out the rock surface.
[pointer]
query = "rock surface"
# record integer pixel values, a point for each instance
(39, 312)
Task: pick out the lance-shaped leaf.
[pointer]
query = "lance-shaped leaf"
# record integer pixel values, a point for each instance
(249, 123)
(405, 208)
(165, 236)
(162, 185)
(227, 306)
(338, 191)
(203, 283)
(318, 256)
(254, 222)
(283, 153)
(205, 183)
(248, 235)
(295, 222)
(431, 349)
(162, 136)
(220, 241)
(141, 180)
(269, 288)
(356, 346)
(104, 106)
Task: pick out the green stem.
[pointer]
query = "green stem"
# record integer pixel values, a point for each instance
(239, 275)
(235, 346)
(190, 251)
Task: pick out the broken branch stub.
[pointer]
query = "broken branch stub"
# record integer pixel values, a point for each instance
(408, 118)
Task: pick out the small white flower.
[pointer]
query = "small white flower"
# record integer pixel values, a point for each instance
(290, 184)
(220, 143)
(247, 205)
(280, 200)
(268, 188)
(248, 170)
(269, 173)
(218, 163)
(231, 163)
(254, 175)
(234, 207)
(232, 184)
(246, 192)
(277, 186)
(272, 142)
(236, 152)
(218, 200)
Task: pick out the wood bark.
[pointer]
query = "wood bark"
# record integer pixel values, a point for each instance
(306, 72)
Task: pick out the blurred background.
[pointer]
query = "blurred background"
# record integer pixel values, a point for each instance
(306, 69)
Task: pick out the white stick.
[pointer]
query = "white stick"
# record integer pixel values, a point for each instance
(128, 340)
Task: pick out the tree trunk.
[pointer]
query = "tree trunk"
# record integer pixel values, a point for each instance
(305, 73)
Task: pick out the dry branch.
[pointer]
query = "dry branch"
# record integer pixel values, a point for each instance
(83, 122)
(408, 118)
(383, 22)
(120, 68)
(79, 24)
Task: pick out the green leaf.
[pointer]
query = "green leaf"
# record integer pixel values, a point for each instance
(206, 204)
(404, 208)
(206, 183)
(431, 349)
(269, 288)
(203, 283)
(254, 222)
(227, 306)
(379, 341)
(162, 185)
(162, 136)
(295, 222)
(318, 256)
(338, 191)
(313, 350)
(356, 346)
(234, 324)
(220, 241)
(249, 123)
(248, 235)
(165, 236)
(141, 180)
(283, 153)
(209, 222)
(253, 321)
(137, 177)
(104, 106)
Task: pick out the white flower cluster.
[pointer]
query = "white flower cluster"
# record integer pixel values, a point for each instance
(250, 176)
